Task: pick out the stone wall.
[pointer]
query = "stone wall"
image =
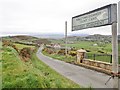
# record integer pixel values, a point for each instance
(97, 65)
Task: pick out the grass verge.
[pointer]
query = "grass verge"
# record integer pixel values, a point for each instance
(30, 74)
(65, 58)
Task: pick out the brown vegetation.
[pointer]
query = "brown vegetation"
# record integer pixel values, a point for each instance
(48, 50)
(25, 53)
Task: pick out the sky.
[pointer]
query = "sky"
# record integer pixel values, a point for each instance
(46, 16)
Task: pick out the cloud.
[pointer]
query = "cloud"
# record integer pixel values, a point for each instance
(44, 15)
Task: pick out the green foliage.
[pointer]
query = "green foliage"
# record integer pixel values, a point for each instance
(73, 53)
(21, 46)
(31, 74)
(67, 58)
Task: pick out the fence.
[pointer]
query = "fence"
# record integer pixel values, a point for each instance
(100, 57)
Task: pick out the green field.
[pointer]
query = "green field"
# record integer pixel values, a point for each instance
(88, 45)
(20, 46)
(107, 48)
(30, 74)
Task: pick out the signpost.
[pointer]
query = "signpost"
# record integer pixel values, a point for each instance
(106, 15)
(96, 18)
(66, 37)
(119, 37)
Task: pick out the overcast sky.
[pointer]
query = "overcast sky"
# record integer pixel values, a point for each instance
(46, 16)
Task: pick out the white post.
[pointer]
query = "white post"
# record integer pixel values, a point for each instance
(118, 39)
(114, 54)
(66, 37)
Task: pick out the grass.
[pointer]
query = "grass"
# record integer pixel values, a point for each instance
(65, 58)
(98, 57)
(88, 45)
(107, 48)
(20, 46)
(31, 74)
(68, 58)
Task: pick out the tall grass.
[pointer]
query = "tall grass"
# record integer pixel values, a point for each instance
(30, 74)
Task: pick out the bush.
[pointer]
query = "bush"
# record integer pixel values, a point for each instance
(88, 50)
(61, 52)
(25, 52)
(73, 53)
(14, 46)
(101, 51)
(48, 50)
(6, 43)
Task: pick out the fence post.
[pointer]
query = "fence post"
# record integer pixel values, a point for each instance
(110, 58)
(94, 56)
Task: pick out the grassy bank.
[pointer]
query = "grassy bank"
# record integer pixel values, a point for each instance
(30, 74)
(65, 58)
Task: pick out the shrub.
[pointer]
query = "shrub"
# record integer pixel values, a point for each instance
(6, 43)
(48, 50)
(25, 52)
(73, 53)
(61, 52)
(100, 51)
(14, 46)
(88, 50)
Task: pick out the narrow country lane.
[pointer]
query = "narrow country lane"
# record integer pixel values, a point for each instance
(82, 76)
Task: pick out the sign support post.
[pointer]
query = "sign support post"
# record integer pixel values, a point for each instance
(118, 41)
(66, 37)
(114, 54)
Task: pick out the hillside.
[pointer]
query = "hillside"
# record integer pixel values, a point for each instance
(20, 38)
(24, 39)
(31, 74)
(95, 37)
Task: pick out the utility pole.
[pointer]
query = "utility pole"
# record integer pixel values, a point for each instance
(65, 37)
(118, 41)
(114, 47)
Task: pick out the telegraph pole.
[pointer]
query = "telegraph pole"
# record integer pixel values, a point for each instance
(65, 37)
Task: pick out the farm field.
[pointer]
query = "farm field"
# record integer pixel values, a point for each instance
(20, 46)
(95, 50)
(30, 74)
(107, 48)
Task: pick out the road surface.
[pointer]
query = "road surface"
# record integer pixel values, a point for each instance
(82, 76)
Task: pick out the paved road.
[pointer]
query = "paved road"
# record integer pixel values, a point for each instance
(79, 75)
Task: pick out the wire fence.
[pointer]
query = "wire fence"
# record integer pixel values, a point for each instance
(100, 57)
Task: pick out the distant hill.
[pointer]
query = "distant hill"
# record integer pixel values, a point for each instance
(20, 38)
(25, 39)
(98, 37)
(95, 37)
(56, 35)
